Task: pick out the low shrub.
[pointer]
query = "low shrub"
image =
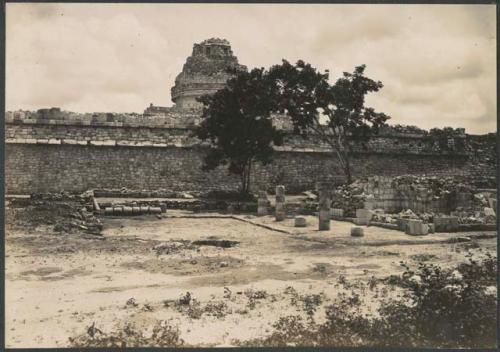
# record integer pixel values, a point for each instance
(441, 308)
(163, 335)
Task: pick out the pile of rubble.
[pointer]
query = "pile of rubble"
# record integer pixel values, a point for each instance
(63, 212)
(81, 220)
(431, 195)
(61, 196)
(434, 186)
(349, 198)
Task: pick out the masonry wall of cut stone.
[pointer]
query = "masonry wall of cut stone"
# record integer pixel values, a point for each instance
(55, 155)
(52, 168)
(155, 133)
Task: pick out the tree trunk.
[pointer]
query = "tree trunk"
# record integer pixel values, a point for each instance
(249, 170)
(244, 181)
(347, 169)
(245, 177)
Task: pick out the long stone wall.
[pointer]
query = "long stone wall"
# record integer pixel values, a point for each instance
(55, 155)
(49, 168)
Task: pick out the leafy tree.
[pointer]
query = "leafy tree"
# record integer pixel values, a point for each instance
(334, 113)
(237, 124)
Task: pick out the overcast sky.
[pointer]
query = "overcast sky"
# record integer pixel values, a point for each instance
(437, 62)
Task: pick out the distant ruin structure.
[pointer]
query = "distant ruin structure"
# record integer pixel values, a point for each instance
(206, 71)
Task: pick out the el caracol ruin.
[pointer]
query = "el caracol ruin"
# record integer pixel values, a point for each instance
(132, 244)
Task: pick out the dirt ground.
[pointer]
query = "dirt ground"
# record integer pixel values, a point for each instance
(59, 284)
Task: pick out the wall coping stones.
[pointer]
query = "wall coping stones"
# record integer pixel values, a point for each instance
(189, 144)
(78, 123)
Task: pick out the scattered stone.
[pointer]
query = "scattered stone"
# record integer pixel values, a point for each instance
(147, 308)
(95, 204)
(431, 228)
(417, 228)
(489, 211)
(131, 303)
(357, 231)
(185, 299)
(300, 221)
(369, 203)
(363, 216)
(163, 207)
(310, 195)
(492, 201)
(216, 243)
(445, 223)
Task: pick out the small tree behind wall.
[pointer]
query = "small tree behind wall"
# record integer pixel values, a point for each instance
(334, 113)
(237, 124)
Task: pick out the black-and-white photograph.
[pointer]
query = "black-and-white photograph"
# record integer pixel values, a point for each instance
(250, 175)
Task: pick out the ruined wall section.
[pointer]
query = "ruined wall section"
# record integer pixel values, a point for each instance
(52, 155)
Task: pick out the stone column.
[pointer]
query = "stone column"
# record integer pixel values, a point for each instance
(262, 203)
(324, 207)
(280, 203)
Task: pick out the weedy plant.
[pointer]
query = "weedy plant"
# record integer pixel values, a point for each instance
(163, 335)
(441, 308)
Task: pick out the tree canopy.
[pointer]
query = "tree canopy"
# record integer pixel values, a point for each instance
(335, 113)
(237, 124)
(237, 119)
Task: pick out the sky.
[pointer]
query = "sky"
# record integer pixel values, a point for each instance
(437, 62)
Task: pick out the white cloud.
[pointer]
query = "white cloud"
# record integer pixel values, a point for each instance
(437, 62)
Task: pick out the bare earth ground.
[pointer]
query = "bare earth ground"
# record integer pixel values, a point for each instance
(57, 285)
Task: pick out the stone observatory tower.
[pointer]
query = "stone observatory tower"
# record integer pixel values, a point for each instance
(205, 72)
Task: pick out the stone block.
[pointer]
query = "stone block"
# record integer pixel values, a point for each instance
(363, 216)
(280, 211)
(155, 210)
(489, 211)
(362, 221)
(324, 225)
(492, 201)
(431, 228)
(280, 190)
(403, 224)
(357, 231)
(262, 209)
(364, 213)
(54, 141)
(336, 213)
(417, 228)
(369, 203)
(300, 221)
(445, 223)
(163, 207)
